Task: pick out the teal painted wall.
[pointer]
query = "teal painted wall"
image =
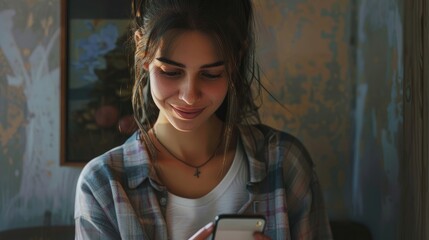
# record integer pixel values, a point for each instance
(378, 116)
(336, 65)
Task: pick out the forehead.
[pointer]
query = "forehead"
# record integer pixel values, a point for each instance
(189, 45)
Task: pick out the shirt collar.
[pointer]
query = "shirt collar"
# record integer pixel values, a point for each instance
(253, 143)
(138, 166)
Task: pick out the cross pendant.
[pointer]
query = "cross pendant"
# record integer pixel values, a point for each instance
(197, 172)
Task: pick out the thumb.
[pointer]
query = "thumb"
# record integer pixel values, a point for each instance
(204, 232)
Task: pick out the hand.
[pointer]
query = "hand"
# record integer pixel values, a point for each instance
(260, 236)
(204, 232)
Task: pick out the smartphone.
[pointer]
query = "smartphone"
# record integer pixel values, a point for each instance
(234, 226)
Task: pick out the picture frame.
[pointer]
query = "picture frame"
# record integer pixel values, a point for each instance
(96, 82)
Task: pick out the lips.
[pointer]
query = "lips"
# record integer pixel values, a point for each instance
(187, 113)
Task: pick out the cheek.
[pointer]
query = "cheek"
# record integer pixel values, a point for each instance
(160, 88)
(220, 92)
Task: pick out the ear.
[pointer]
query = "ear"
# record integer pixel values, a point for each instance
(138, 35)
(146, 66)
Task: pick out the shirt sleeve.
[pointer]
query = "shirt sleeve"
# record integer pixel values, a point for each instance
(306, 209)
(91, 220)
(93, 229)
(309, 219)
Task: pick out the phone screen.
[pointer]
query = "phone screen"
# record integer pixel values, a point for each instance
(238, 226)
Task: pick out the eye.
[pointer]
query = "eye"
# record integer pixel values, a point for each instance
(170, 73)
(211, 75)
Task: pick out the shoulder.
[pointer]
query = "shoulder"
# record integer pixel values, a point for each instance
(106, 167)
(101, 170)
(105, 180)
(93, 188)
(285, 151)
(292, 150)
(291, 147)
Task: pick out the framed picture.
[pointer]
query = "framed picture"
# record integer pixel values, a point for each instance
(96, 83)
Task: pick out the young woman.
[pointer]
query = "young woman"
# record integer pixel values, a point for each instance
(200, 150)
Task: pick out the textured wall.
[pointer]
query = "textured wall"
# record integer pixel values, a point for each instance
(336, 65)
(304, 53)
(34, 190)
(338, 68)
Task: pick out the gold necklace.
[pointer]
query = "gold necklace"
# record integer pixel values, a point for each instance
(197, 168)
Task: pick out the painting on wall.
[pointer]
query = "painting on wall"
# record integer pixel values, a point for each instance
(96, 85)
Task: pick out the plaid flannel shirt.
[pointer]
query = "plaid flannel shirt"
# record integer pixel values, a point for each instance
(118, 195)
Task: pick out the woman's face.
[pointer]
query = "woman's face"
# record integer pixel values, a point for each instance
(189, 84)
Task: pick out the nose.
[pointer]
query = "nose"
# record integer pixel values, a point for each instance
(190, 92)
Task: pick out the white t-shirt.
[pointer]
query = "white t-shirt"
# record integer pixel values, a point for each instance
(186, 216)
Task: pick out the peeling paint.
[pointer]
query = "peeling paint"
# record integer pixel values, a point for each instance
(42, 186)
(304, 55)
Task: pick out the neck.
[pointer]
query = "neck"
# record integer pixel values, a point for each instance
(195, 146)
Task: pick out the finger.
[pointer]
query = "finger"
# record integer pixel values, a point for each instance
(204, 232)
(260, 236)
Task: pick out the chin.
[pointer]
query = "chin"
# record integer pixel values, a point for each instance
(188, 125)
(185, 127)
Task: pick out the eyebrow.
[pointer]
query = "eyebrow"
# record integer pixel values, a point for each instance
(171, 62)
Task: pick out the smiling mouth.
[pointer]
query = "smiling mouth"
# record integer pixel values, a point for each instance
(187, 114)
